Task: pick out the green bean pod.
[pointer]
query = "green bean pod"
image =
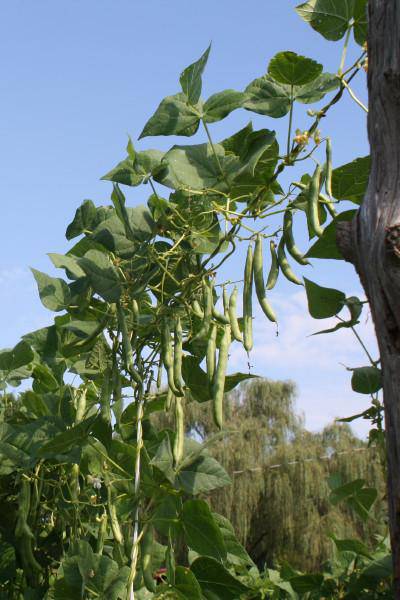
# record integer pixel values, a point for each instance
(170, 560)
(259, 281)
(24, 503)
(218, 387)
(248, 301)
(207, 312)
(221, 318)
(159, 374)
(116, 392)
(146, 558)
(126, 346)
(225, 299)
(208, 305)
(312, 204)
(197, 310)
(168, 356)
(289, 239)
(135, 312)
(80, 405)
(101, 533)
(328, 177)
(112, 512)
(169, 400)
(177, 450)
(30, 565)
(210, 354)
(236, 333)
(274, 269)
(105, 396)
(178, 352)
(284, 265)
(74, 486)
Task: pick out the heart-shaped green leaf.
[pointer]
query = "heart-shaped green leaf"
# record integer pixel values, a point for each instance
(291, 69)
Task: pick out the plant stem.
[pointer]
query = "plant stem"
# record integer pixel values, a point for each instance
(352, 94)
(371, 360)
(153, 188)
(212, 146)
(344, 53)
(290, 123)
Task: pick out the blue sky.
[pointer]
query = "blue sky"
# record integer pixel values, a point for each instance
(78, 77)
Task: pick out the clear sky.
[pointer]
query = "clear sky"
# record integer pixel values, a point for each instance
(78, 76)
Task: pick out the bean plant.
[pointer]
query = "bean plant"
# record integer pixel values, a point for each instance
(94, 498)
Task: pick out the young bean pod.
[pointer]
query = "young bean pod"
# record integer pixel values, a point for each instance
(159, 374)
(197, 310)
(169, 400)
(284, 265)
(31, 567)
(178, 355)
(208, 305)
(328, 178)
(24, 503)
(168, 356)
(274, 270)
(80, 404)
(170, 560)
(101, 532)
(218, 387)
(248, 301)
(126, 345)
(146, 556)
(210, 354)
(177, 450)
(225, 299)
(23, 533)
(221, 318)
(74, 485)
(237, 334)
(116, 392)
(259, 281)
(135, 312)
(289, 239)
(312, 204)
(207, 312)
(105, 396)
(112, 512)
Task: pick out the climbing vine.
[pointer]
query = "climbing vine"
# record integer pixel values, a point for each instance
(95, 498)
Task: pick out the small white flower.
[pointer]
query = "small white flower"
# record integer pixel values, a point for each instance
(95, 481)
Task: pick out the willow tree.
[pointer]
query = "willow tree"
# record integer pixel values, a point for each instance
(278, 501)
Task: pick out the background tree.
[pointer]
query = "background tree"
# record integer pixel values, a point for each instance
(278, 501)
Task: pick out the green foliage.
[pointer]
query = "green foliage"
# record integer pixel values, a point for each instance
(323, 302)
(279, 503)
(350, 181)
(291, 69)
(87, 473)
(334, 18)
(366, 380)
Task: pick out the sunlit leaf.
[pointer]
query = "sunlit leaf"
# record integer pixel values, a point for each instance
(323, 302)
(291, 69)
(190, 78)
(174, 116)
(54, 292)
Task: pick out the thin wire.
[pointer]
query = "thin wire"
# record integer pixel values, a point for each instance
(295, 462)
